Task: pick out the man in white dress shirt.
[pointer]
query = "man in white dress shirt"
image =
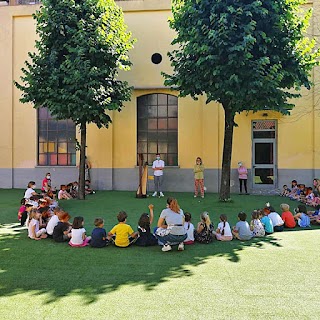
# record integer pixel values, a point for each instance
(158, 166)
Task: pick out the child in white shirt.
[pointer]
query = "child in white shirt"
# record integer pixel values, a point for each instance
(34, 232)
(189, 227)
(223, 232)
(78, 233)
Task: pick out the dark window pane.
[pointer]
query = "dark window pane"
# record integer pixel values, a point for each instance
(264, 134)
(173, 123)
(162, 147)
(172, 100)
(152, 147)
(173, 137)
(142, 112)
(152, 136)
(152, 111)
(263, 176)
(172, 159)
(142, 135)
(162, 111)
(172, 148)
(152, 100)
(52, 125)
(52, 135)
(152, 124)
(71, 148)
(42, 125)
(162, 124)
(143, 125)
(173, 111)
(163, 136)
(263, 153)
(62, 125)
(142, 147)
(162, 99)
(43, 136)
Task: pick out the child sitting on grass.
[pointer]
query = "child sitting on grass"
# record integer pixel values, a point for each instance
(223, 232)
(301, 216)
(266, 222)
(287, 216)
(22, 208)
(242, 231)
(146, 238)
(61, 231)
(99, 234)
(189, 227)
(34, 231)
(63, 194)
(285, 191)
(78, 233)
(204, 232)
(122, 234)
(256, 226)
(54, 220)
(277, 222)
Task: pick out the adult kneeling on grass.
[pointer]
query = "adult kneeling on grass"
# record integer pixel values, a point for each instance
(171, 229)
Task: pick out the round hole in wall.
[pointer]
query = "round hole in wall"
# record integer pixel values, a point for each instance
(156, 58)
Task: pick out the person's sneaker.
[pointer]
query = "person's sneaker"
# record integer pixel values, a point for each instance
(166, 247)
(202, 197)
(154, 194)
(161, 194)
(194, 196)
(181, 246)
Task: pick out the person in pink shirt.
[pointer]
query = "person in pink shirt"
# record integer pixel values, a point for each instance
(243, 176)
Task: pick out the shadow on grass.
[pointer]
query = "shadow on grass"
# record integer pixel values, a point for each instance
(57, 270)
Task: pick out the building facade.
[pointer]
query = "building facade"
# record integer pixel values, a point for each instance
(275, 148)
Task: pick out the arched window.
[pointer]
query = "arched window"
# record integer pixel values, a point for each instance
(56, 140)
(158, 127)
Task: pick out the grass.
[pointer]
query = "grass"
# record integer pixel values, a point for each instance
(275, 277)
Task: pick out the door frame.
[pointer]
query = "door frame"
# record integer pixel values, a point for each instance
(273, 166)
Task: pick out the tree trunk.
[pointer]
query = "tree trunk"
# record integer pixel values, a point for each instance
(227, 152)
(83, 133)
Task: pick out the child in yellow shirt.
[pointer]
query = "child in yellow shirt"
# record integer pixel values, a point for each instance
(122, 234)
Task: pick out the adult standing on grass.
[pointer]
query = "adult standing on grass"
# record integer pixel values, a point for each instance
(171, 229)
(198, 178)
(243, 176)
(158, 166)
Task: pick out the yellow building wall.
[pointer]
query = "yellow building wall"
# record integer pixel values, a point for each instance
(201, 126)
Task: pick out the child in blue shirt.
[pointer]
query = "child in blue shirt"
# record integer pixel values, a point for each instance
(266, 221)
(301, 216)
(99, 235)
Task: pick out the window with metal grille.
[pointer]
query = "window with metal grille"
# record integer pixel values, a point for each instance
(157, 123)
(56, 140)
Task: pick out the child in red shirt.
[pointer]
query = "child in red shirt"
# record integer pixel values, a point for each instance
(287, 216)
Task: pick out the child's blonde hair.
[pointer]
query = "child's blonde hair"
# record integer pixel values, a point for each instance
(205, 217)
(32, 214)
(284, 207)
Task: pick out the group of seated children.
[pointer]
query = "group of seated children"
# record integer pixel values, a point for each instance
(70, 191)
(45, 222)
(307, 195)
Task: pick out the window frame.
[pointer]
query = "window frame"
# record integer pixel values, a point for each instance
(68, 139)
(149, 106)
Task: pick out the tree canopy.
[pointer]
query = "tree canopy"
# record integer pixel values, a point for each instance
(244, 54)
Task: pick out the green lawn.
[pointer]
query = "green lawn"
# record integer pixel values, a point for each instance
(276, 277)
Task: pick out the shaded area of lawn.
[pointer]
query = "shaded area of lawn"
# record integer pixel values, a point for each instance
(57, 270)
